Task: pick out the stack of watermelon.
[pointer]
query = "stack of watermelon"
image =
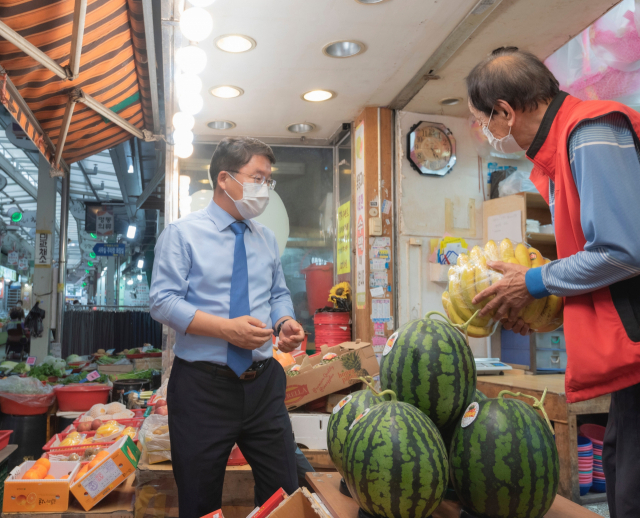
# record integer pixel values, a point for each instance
(390, 447)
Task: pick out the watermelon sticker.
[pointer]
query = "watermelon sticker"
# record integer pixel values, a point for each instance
(342, 403)
(470, 414)
(390, 343)
(359, 417)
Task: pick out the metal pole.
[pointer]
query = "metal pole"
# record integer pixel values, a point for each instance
(147, 14)
(66, 122)
(13, 37)
(77, 33)
(62, 263)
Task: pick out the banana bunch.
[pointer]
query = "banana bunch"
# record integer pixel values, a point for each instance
(471, 276)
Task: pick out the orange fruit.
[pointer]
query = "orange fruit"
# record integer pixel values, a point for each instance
(40, 469)
(44, 462)
(81, 473)
(49, 477)
(64, 477)
(31, 475)
(100, 456)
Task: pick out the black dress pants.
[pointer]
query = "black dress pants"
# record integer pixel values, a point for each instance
(621, 454)
(208, 413)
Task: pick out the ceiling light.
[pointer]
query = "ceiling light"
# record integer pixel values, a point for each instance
(182, 137)
(344, 49)
(196, 24)
(191, 59)
(201, 3)
(317, 96)
(450, 101)
(183, 150)
(301, 127)
(130, 170)
(87, 271)
(93, 235)
(84, 284)
(191, 104)
(222, 125)
(130, 282)
(16, 217)
(139, 277)
(92, 255)
(226, 92)
(204, 181)
(235, 43)
(140, 263)
(89, 264)
(188, 84)
(183, 121)
(131, 232)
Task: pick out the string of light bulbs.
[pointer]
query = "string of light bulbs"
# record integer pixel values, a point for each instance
(196, 24)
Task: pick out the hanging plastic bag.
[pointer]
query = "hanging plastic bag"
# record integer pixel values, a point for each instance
(154, 437)
(27, 391)
(516, 183)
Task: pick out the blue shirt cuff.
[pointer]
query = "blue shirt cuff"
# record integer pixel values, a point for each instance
(181, 316)
(281, 310)
(535, 285)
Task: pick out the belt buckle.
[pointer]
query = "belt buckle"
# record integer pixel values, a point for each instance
(248, 375)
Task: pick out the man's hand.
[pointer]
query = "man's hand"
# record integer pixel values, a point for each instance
(246, 332)
(291, 336)
(511, 295)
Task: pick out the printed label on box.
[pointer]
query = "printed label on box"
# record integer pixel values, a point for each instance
(96, 482)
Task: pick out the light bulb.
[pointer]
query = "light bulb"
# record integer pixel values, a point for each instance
(183, 150)
(196, 24)
(130, 282)
(183, 121)
(188, 84)
(191, 59)
(201, 3)
(182, 137)
(139, 277)
(191, 104)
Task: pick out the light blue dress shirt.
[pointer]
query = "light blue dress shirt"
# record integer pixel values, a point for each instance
(192, 270)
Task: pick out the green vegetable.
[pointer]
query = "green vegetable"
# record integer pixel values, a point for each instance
(21, 368)
(74, 358)
(77, 378)
(134, 375)
(109, 360)
(154, 350)
(44, 371)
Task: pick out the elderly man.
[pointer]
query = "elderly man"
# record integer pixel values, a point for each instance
(587, 167)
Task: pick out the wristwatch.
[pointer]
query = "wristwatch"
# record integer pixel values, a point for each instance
(279, 327)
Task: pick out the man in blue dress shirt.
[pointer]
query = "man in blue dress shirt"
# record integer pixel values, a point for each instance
(218, 281)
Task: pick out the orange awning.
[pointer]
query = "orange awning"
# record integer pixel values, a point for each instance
(113, 69)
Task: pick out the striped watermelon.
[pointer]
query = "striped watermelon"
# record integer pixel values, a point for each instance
(428, 364)
(395, 463)
(479, 396)
(343, 415)
(504, 463)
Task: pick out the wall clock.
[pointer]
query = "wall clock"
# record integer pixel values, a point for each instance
(431, 148)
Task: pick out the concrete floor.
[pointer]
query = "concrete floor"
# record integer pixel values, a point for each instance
(602, 509)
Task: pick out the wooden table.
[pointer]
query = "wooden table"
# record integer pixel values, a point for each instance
(562, 414)
(327, 487)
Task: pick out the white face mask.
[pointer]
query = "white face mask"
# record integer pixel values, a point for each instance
(254, 201)
(505, 145)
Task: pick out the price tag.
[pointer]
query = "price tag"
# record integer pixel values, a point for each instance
(68, 372)
(104, 475)
(110, 351)
(93, 376)
(31, 360)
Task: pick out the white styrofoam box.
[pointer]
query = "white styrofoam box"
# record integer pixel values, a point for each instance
(552, 340)
(310, 430)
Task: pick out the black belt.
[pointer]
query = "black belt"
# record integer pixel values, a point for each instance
(251, 373)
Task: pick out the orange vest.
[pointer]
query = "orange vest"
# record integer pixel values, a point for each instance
(602, 328)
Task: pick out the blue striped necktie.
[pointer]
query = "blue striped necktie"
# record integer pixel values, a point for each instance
(238, 359)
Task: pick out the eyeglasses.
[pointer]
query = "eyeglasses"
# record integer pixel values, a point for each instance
(271, 183)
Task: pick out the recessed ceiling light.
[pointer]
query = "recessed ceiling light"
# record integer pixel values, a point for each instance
(221, 125)
(317, 96)
(450, 101)
(226, 92)
(301, 127)
(204, 181)
(344, 49)
(235, 43)
(370, 1)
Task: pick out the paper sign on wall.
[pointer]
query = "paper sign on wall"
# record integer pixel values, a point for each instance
(380, 310)
(344, 238)
(508, 225)
(43, 248)
(361, 265)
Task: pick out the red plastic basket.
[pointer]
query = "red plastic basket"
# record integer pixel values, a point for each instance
(136, 422)
(61, 436)
(80, 397)
(11, 407)
(4, 438)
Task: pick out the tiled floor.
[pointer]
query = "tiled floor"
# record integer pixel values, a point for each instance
(602, 509)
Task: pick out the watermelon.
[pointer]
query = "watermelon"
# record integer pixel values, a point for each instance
(395, 463)
(504, 461)
(428, 364)
(343, 415)
(479, 396)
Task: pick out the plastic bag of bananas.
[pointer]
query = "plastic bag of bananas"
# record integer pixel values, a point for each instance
(471, 275)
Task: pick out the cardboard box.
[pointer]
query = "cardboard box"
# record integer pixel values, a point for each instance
(37, 496)
(108, 475)
(310, 430)
(115, 369)
(356, 359)
(142, 364)
(300, 505)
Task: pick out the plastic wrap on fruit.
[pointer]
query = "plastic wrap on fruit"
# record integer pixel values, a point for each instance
(471, 275)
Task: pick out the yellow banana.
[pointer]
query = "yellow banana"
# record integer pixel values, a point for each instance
(552, 311)
(506, 250)
(482, 277)
(472, 331)
(476, 253)
(491, 251)
(462, 259)
(511, 260)
(468, 284)
(522, 255)
(536, 258)
(549, 328)
(533, 311)
(455, 293)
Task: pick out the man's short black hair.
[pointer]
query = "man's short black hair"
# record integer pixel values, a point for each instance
(514, 76)
(235, 152)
